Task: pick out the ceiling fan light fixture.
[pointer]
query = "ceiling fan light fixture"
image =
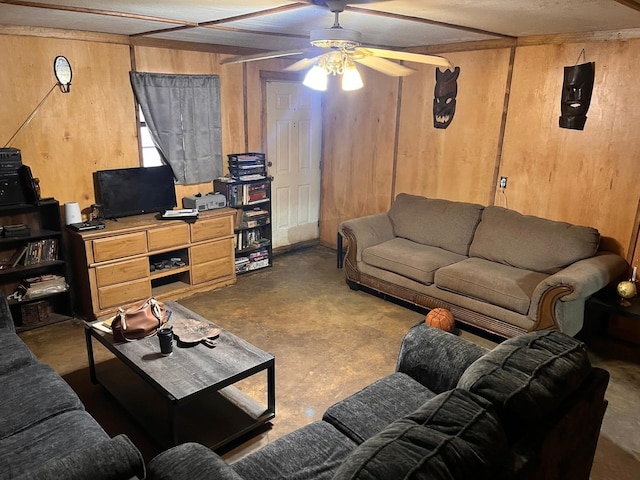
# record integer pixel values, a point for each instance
(316, 78)
(351, 79)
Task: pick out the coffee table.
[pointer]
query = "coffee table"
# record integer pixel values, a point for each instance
(194, 383)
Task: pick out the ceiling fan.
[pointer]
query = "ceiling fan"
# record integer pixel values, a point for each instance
(335, 51)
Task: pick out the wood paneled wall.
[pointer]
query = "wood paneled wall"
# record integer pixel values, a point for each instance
(456, 163)
(358, 151)
(378, 141)
(588, 177)
(584, 177)
(91, 128)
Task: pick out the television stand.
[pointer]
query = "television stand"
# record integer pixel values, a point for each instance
(131, 259)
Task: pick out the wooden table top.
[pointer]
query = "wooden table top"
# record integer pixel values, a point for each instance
(193, 369)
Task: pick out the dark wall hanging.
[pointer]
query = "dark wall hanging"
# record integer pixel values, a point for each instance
(444, 101)
(576, 94)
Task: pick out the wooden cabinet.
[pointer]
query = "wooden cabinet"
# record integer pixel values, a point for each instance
(134, 258)
(33, 271)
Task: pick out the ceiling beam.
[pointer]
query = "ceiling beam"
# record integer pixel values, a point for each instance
(94, 11)
(215, 24)
(425, 21)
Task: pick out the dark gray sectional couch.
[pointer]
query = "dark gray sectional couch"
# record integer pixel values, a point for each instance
(45, 432)
(529, 409)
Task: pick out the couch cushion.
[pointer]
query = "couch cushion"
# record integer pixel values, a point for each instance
(528, 376)
(114, 458)
(368, 411)
(491, 282)
(439, 223)
(409, 259)
(33, 394)
(455, 435)
(311, 452)
(56, 437)
(15, 353)
(532, 243)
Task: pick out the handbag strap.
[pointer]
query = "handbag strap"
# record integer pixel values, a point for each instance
(122, 318)
(156, 310)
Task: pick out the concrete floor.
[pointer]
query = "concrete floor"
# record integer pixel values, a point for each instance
(330, 342)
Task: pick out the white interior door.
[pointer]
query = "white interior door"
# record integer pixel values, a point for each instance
(294, 133)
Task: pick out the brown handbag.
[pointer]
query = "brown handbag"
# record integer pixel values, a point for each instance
(139, 321)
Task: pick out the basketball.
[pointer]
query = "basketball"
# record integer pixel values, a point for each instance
(440, 318)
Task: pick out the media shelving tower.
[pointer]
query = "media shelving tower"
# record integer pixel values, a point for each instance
(248, 190)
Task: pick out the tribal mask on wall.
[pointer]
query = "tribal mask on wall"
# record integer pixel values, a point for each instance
(444, 102)
(576, 95)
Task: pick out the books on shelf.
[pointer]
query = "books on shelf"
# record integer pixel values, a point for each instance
(252, 218)
(248, 193)
(41, 251)
(15, 258)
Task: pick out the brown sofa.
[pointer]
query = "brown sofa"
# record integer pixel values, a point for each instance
(494, 268)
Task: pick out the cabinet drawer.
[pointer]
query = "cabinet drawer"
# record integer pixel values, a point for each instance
(166, 237)
(119, 246)
(212, 251)
(211, 228)
(211, 270)
(123, 293)
(122, 272)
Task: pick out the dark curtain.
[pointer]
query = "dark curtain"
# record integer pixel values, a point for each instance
(183, 116)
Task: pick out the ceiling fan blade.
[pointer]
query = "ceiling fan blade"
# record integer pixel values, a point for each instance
(407, 56)
(382, 65)
(302, 64)
(261, 56)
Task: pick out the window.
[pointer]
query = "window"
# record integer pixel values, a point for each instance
(150, 155)
(182, 116)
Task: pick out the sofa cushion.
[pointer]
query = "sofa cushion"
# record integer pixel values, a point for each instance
(116, 457)
(532, 243)
(439, 223)
(189, 461)
(15, 353)
(528, 376)
(491, 282)
(33, 394)
(56, 437)
(455, 435)
(409, 259)
(314, 451)
(368, 411)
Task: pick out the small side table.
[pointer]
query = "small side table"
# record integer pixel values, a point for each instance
(607, 301)
(621, 322)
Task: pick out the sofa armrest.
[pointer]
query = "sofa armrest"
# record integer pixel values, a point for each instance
(113, 459)
(366, 231)
(190, 461)
(6, 319)
(435, 358)
(584, 277)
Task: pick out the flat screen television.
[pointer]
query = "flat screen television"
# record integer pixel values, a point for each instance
(132, 191)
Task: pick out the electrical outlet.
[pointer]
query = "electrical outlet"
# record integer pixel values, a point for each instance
(503, 182)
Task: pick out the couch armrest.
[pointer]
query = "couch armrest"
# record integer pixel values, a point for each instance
(6, 319)
(366, 231)
(585, 277)
(116, 458)
(435, 358)
(190, 461)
